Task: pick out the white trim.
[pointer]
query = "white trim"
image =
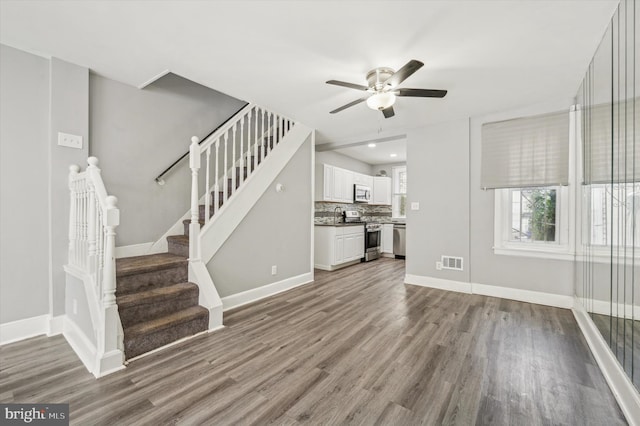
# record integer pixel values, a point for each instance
(622, 388)
(539, 254)
(529, 296)
(442, 284)
(154, 78)
(81, 345)
(56, 325)
(133, 250)
(335, 267)
(15, 331)
(253, 295)
(208, 293)
(313, 203)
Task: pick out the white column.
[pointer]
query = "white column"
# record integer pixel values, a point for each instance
(194, 226)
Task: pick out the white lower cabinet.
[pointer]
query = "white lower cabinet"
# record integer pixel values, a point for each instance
(335, 246)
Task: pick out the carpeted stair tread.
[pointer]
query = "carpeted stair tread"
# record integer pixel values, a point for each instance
(178, 244)
(147, 263)
(180, 239)
(167, 321)
(156, 295)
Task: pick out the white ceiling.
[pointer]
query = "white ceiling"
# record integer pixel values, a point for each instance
(381, 153)
(490, 55)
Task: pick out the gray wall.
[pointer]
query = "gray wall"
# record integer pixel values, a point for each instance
(438, 178)
(40, 98)
(277, 231)
(69, 114)
(24, 172)
(343, 161)
(137, 133)
(543, 275)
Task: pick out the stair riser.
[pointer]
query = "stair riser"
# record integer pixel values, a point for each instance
(139, 345)
(146, 280)
(178, 248)
(148, 310)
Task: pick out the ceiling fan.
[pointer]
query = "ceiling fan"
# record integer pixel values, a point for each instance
(383, 88)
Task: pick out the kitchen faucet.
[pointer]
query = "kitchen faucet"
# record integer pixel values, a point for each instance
(334, 214)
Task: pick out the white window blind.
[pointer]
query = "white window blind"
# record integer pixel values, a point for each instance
(526, 152)
(607, 149)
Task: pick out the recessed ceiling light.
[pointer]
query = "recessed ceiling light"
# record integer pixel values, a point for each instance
(393, 155)
(372, 145)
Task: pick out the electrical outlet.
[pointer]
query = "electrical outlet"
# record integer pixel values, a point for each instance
(274, 269)
(75, 307)
(68, 140)
(415, 205)
(439, 266)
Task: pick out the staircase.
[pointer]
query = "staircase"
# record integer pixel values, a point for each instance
(156, 302)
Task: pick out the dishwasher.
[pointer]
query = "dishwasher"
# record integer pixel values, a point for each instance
(399, 240)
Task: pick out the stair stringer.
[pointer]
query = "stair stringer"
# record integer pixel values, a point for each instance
(222, 225)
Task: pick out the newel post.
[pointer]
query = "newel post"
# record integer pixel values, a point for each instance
(194, 226)
(111, 221)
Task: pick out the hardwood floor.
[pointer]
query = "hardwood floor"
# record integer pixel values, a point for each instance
(357, 346)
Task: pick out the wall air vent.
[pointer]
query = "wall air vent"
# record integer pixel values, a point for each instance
(451, 262)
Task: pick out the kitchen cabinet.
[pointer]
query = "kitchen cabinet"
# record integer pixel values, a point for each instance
(381, 190)
(334, 184)
(338, 246)
(387, 238)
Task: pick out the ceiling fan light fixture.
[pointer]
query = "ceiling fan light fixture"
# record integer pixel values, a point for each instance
(380, 101)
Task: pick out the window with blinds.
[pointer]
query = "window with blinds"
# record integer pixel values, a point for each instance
(526, 152)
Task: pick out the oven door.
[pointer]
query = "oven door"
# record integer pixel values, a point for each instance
(372, 240)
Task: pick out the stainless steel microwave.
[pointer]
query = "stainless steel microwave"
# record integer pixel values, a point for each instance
(361, 193)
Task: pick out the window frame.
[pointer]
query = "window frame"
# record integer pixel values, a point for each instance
(395, 208)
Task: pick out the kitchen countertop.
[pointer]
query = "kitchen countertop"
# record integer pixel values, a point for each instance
(338, 224)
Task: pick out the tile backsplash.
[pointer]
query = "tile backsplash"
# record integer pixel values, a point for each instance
(325, 211)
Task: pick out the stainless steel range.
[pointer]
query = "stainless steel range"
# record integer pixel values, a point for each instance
(372, 234)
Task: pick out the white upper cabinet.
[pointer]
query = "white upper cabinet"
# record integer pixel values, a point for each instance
(336, 184)
(381, 190)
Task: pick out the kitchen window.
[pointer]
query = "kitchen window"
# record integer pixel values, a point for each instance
(399, 201)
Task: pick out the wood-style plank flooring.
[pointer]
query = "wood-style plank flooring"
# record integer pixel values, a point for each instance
(357, 346)
(623, 337)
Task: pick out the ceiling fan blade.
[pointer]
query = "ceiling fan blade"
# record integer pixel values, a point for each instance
(350, 104)
(421, 93)
(388, 112)
(349, 85)
(403, 73)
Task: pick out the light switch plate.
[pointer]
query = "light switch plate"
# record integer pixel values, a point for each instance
(415, 206)
(68, 140)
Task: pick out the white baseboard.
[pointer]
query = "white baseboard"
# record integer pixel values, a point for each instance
(133, 250)
(622, 388)
(239, 299)
(335, 267)
(23, 329)
(56, 325)
(536, 297)
(82, 346)
(620, 310)
(439, 283)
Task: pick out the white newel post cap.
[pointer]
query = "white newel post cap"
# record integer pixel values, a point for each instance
(113, 213)
(93, 162)
(74, 169)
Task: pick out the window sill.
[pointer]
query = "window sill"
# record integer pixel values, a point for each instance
(539, 253)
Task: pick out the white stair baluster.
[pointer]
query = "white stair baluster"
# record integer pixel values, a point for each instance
(242, 147)
(255, 138)
(73, 173)
(263, 149)
(216, 187)
(233, 160)
(225, 181)
(207, 194)
(194, 226)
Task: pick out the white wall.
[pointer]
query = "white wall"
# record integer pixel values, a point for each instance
(277, 231)
(24, 173)
(136, 134)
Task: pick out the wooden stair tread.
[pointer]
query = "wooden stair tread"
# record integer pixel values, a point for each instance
(150, 262)
(165, 322)
(155, 294)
